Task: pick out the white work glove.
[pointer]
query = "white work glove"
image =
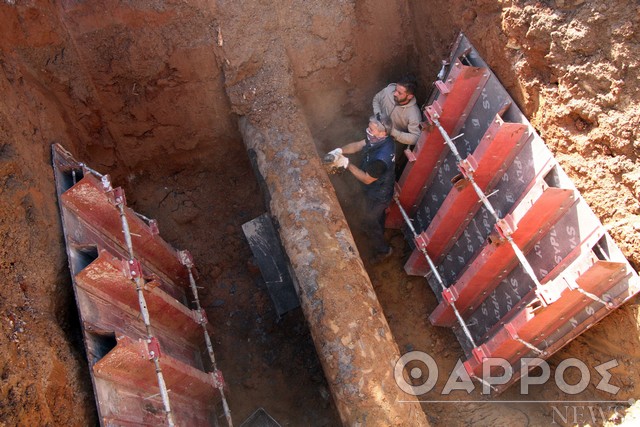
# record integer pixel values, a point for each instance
(331, 157)
(335, 162)
(341, 161)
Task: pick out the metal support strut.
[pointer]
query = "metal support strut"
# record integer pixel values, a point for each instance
(433, 268)
(138, 281)
(487, 204)
(185, 258)
(435, 273)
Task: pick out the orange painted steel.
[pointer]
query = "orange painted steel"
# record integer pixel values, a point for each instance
(125, 350)
(462, 89)
(493, 155)
(519, 272)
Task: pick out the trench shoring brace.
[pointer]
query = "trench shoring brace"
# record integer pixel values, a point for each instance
(187, 261)
(501, 225)
(138, 280)
(439, 279)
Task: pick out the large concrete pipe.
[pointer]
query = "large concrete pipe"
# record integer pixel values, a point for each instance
(351, 334)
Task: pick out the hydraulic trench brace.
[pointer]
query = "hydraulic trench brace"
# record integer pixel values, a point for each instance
(487, 204)
(434, 270)
(87, 168)
(138, 280)
(607, 304)
(186, 260)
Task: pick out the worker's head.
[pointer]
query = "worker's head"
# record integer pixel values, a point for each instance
(379, 128)
(405, 90)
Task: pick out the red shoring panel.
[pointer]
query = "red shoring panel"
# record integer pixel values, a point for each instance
(535, 321)
(464, 84)
(580, 259)
(105, 277)
(88, 200)
(126, 386)
(102, 316)
(127, 367)
(533, 215)
(128, 363)
(135, 407)
(492, 157)
(626, 287)
(583, 286)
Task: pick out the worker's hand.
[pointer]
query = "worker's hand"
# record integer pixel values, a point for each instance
(331, 156)
(334, 161)
(341, 161)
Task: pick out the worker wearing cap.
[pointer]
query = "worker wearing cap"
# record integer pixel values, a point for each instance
(376, 173)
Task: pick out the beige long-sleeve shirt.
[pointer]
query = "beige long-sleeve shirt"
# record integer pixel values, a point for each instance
(405, 118)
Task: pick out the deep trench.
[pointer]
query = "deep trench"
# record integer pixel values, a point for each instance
(141, 92)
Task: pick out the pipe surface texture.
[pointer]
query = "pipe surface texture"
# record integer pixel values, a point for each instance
(351, 335)
(350, 332)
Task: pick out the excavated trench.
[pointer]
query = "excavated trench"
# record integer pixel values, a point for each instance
(151, 94)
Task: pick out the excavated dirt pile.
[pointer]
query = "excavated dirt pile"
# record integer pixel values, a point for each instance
(150, 92)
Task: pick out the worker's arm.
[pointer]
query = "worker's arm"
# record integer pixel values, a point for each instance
(361, 175)
(411, 136)
(353, 147)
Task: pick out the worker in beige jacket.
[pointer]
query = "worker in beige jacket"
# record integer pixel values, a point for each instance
(398, 102)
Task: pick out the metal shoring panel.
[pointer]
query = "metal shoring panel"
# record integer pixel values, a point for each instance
(89, 200)
(464, 86)
(105, 278)
(491, 157)
(532, 163)
(502, 227)
(529, 273)
(565, 241)
(85, 241)
(587, 317)
(533, 216)
(530, 325)
(136, 278)
(492, 101)
(187, 260)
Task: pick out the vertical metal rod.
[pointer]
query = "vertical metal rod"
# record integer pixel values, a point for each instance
(93, 171)
(145, 315)
(604, 254)
(434, 270)
(531, 346)
(593, 297)
(487, 204)
(194, 289)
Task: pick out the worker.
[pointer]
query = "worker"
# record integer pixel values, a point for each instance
(376, 173)
(398, 102)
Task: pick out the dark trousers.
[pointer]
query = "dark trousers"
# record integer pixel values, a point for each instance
(401, 159)
(375, 216)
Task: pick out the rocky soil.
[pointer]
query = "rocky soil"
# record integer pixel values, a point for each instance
(140, 91)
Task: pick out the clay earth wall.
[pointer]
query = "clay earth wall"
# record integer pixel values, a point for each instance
(139, 90)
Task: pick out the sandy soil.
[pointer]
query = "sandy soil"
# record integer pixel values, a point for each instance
(140, 91)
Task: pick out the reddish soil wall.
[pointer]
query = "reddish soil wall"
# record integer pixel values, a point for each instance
(139, 91)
